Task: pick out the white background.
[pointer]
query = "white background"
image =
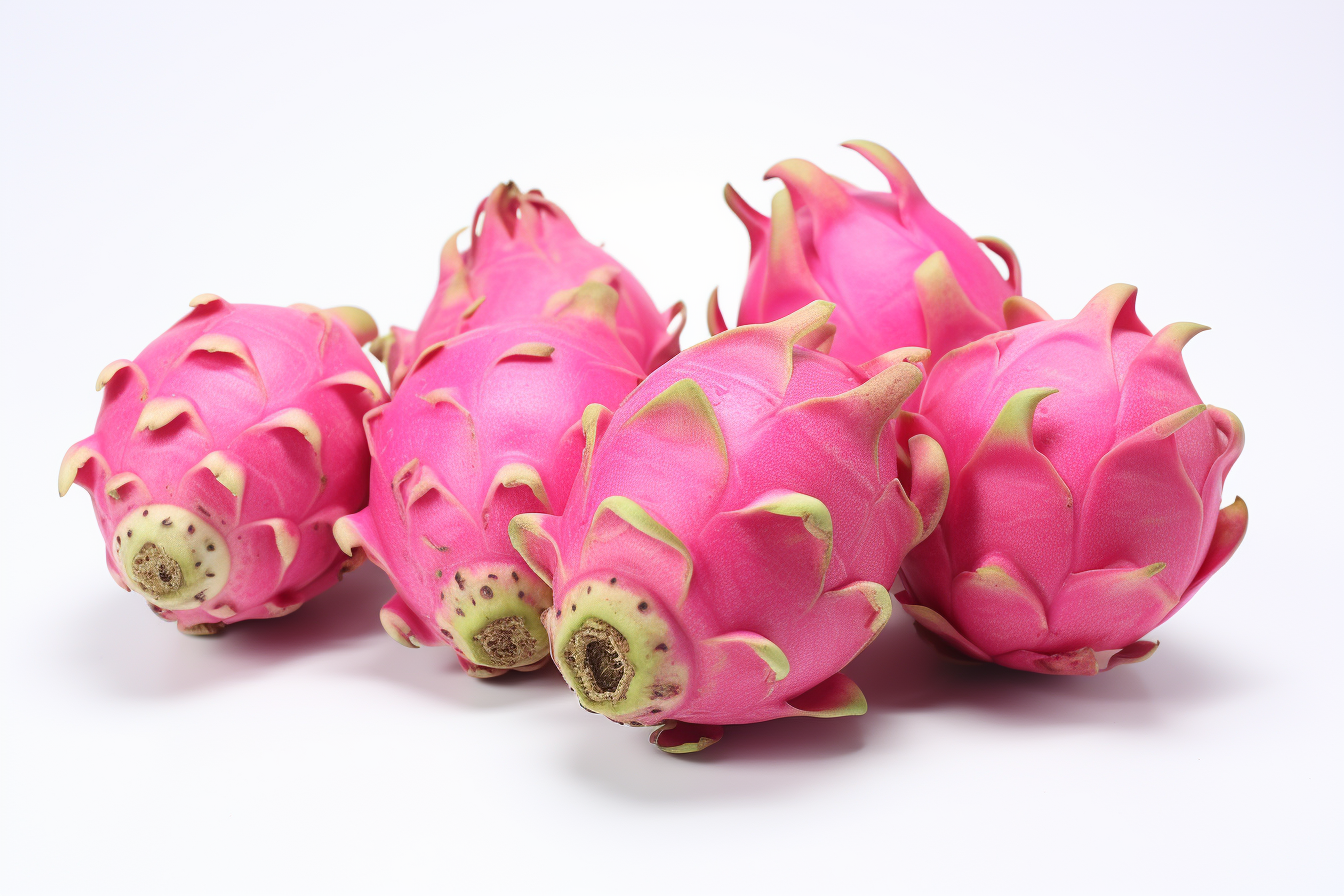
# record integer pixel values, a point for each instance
(276, 153)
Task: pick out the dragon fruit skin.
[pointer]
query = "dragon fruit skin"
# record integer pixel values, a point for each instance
(486, 425)
(525, 251)
(733, 532)
(1086, 481)
(223, 455)
(873, 255)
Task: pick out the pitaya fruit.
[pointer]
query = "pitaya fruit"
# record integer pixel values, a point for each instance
(1086, 479)
(898, 271)
(485, 425)
(733, 533)
(224, 453)
(524, 250)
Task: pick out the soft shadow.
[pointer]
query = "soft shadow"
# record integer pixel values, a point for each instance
(784, 740)
(139, 655)
(347, 612)
(901, 674)
(749, 762)
(434, 672)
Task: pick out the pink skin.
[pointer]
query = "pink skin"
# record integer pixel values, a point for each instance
(738, 521)
(241, 421)
(487, 425)
(1086, 481)
(827, 239)
(524, 251)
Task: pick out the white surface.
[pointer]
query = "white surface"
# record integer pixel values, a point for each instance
(322, 154)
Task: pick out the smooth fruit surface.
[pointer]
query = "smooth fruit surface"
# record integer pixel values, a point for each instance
(524, 250)
(1087, 475)
(486, 425)
(733, 532)
(223, 455)
(899, 272)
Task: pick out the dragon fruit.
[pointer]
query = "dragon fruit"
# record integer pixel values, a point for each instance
(898, 271)
(485, 425)
(223, 455)
(733, 533)
(524, 251)
(1086, 481)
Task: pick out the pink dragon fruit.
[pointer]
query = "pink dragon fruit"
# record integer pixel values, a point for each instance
(1086, 479)
(899, 272)
(733, 532)
(524, 251)
(485, 425)
(224, 453)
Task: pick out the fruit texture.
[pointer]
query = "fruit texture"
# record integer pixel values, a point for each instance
(1086, 480)
(485, 425)
(898, 271)
(524, 251)
(733, 533)
(224, 453)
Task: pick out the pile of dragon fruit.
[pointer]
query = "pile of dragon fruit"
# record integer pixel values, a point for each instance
(694, 538)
